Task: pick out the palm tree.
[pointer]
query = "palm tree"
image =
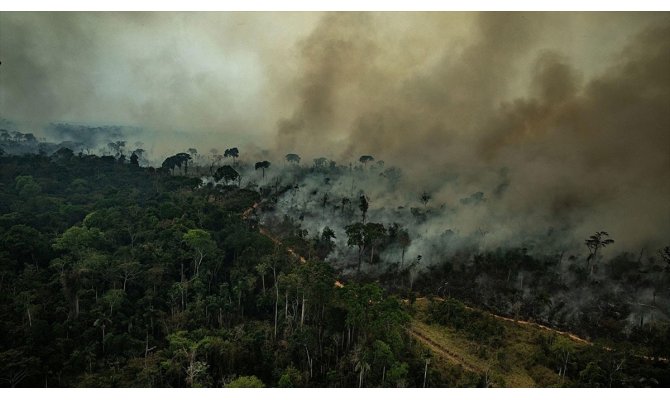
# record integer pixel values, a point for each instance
(594, 243)
(360, 365)
(102, 322)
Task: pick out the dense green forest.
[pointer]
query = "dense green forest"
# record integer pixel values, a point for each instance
(116, 275)
(113, 274)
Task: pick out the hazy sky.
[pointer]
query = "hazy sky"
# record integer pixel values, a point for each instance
(217, 74)
(576, 106)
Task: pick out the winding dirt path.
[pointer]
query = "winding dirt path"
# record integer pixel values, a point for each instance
(247, 213)
(445, 352)
(544, 327)
(522, 322)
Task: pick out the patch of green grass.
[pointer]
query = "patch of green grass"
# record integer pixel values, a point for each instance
(509, 360)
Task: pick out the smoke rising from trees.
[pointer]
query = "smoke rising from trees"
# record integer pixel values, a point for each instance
(559, 120)
(583, 144)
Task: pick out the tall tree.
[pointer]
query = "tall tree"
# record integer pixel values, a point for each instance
(202, 245)
(232, 153)
(594, 243)
(366, 159)
(227, 173)
(293, 158)
(176, 161)
(404, 241)
(320, 162)
(356, 237)
(183, 158)
(363, 205)
(374, 235)
(345, 202)
(263, 165)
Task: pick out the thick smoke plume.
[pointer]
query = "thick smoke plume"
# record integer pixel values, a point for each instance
(501, 103)
(560, 120)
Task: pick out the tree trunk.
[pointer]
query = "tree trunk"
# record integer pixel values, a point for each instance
(302, 312)
(565, 365)
(310, 361)
(276, 301)
(588, 261)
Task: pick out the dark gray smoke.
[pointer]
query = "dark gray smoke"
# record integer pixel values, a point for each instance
(559, 119)
(583, 148)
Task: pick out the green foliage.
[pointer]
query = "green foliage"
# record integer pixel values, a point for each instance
(592, 375)
(245, 382)
(397, 375)
(149, 283)
(78, 239)
(478, 326)
(291, 378)
(27, 187)
(226, 173)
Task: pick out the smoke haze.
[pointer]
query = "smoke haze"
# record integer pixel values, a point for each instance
(560, 119)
